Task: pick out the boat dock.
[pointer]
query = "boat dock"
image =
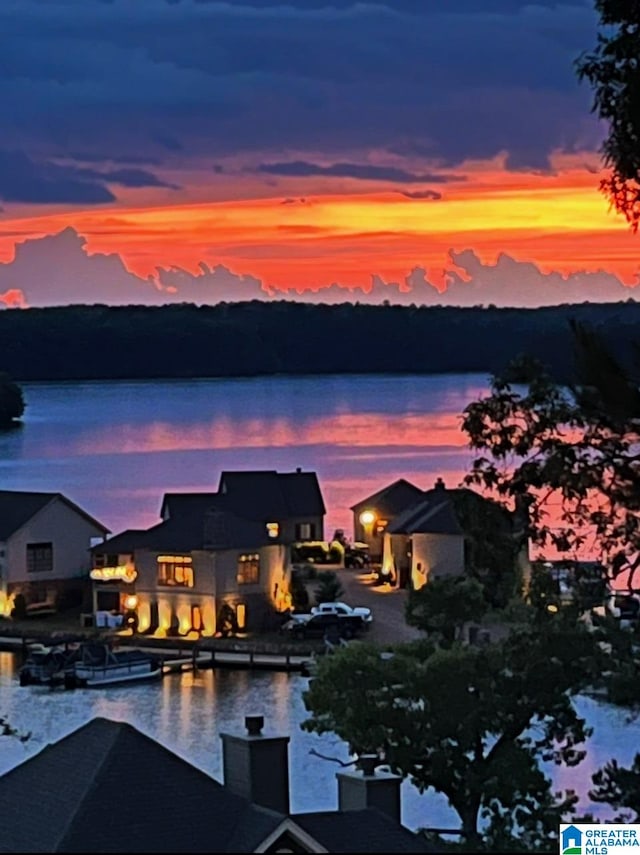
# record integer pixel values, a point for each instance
(174, 661)
(183, 657)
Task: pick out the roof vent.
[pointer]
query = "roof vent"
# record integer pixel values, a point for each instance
(254, 724)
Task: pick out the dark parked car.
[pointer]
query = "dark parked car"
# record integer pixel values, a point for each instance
(318, 626)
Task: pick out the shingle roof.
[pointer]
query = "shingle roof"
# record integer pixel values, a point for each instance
(442, 511)
(431, 514)
(360, 831)
(183, 504)
(125, 542)
(262, 495)
(392, 499)
(109, 788)
(214, 529)
(17, 508)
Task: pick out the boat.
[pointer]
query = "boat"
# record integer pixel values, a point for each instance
(99, 664)
(46, 665)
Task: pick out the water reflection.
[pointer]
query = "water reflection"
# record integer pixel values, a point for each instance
(187, 712)
(116, 447)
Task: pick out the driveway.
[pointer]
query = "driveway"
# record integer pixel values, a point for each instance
(387, 605)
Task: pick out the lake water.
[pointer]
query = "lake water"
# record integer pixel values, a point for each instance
(116, 447)
(187, 712)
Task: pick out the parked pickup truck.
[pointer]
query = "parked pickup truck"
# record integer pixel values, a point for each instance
(343, 610)
(325, 626)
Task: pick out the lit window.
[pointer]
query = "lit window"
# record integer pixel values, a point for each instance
(273, 529)
(248, 569)
(175, 570)
(241, 615)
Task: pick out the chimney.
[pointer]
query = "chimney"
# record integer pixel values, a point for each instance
(439, 485)
(368, 787)
(298, 469)
(256, 767)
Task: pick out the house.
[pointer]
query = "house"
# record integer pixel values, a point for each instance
(107, 787)
(289, 503)
(449, 532)
(372, 515)
(44, 549)
(217, 561)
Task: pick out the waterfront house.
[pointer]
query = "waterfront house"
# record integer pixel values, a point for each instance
(290, 504)
(44, 550)
(218, 562)
(372, 515)
(107, 787)
(449, 532)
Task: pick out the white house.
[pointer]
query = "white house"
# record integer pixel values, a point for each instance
(44, 549)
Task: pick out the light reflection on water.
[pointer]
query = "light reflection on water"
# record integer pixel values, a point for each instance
(140, 439)
(187, 712)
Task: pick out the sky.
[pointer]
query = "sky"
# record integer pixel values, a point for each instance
(416, 151)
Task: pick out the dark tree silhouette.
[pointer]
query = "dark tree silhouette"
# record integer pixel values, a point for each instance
(11, 400)
(613, 70)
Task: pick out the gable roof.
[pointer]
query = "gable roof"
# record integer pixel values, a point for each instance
(267, 494)
(107, 787)
(18, 507)
(187, 504)
(444, 511)
(392, 499)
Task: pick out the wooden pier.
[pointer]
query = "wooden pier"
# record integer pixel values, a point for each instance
(185, 657)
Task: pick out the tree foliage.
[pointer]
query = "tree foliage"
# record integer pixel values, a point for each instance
(329, 588)
(443, 606)
(11, 400)
(567, 459)
(471, 723)
(613, 70)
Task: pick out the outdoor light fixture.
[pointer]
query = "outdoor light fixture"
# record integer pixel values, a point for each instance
(130, 602)
(367, 517)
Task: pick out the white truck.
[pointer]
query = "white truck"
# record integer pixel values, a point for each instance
(343, 610)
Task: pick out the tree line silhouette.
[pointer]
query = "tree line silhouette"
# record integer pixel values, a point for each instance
(86, 342)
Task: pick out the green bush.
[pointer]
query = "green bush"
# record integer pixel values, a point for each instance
(329, 588)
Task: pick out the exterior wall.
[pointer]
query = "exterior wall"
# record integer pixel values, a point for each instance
(171, 609)
(373, 534)
(438, 555)
(288, 528)
(263, 599)
(396, 559)
(70, 533)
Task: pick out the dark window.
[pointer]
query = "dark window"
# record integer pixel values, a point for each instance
(305, 531)
(248, 569)
(39, 557)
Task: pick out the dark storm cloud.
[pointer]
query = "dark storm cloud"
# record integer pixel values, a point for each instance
(43, 182)
(466, 79)
(23, 180)
(360, 171)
